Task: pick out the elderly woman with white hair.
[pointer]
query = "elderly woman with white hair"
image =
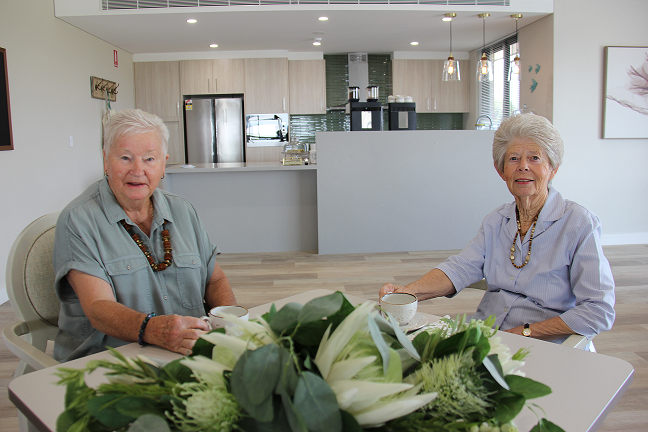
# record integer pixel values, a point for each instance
(133, 263)
(540, 255)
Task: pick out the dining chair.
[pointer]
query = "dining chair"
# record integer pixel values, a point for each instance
(30, 287)
(575, 341)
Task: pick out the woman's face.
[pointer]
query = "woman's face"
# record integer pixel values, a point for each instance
(527, 170)
(135, 164)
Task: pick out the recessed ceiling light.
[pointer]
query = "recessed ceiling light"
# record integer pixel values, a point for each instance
(213, 46)
(413, 43)
(323, 18)
(449, 16)
(192, 21)
(317, 41)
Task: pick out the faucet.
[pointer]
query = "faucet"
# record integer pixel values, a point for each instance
(482, 126)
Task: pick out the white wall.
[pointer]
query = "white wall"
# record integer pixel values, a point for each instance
(607, 176)
(49, 67)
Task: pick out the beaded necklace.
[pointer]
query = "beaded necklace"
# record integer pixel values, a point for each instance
(166, 243)
(519, 229)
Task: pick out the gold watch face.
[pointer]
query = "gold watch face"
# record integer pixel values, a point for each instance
(526, 332)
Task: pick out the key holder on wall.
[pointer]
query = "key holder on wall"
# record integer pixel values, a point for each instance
(100, 87)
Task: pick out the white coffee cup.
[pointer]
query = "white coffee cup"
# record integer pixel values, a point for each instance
(402, 306)
(215, 317)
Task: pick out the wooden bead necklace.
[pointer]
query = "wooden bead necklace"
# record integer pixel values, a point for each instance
(166, 243)
(519, 231)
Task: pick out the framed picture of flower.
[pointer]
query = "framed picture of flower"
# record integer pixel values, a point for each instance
(6, 137)
(626, 92)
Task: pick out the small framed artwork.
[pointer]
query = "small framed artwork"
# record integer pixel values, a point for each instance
(626, 92)
(6, 136)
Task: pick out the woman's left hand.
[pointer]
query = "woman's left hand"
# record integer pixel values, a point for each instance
(174, 332)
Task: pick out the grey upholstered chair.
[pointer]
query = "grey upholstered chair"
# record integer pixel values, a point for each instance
(30, 286)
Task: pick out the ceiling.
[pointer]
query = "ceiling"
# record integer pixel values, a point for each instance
(371, 29)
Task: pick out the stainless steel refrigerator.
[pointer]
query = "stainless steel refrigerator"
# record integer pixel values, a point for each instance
(214, 128)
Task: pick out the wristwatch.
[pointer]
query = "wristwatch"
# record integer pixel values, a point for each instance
(526, 331)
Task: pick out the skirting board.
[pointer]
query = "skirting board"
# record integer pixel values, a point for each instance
(624, 239)
(3, 295)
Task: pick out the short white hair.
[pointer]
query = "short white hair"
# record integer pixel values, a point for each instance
(132, 122)
(531, 126)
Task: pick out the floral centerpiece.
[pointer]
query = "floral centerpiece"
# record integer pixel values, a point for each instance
(325, 366)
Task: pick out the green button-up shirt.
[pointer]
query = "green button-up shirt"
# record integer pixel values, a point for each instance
(90, 239)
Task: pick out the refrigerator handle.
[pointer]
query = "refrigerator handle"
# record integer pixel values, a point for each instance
(178, 108)
(284, 103)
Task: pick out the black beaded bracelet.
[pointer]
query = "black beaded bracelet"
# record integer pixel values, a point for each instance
(140, 338)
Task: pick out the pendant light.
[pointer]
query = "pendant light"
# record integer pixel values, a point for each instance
(451, 66)
(484, 66)
(515, 68)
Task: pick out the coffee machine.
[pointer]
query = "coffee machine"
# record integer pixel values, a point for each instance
(365, 116)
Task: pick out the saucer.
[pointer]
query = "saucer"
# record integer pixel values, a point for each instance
(416, 323)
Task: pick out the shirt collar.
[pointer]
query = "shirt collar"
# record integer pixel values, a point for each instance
(114, 212)
(553, 209)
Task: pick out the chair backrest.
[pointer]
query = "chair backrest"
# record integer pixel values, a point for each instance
(30, 276)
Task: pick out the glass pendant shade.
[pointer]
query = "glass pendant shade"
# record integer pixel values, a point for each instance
(451, 69)
(484, 69)
(484, 66)
(451, 66)
(515, 69)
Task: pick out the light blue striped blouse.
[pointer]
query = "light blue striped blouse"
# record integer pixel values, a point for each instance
(567, 275)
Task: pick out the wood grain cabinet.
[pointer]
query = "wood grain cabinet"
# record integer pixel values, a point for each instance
(422, 79)
(307, 86)
(157, 90)
(219, 76)
(266, 86)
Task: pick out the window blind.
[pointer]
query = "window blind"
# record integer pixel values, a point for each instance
(500, 98)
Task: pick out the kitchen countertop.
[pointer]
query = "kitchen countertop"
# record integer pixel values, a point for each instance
(236, 166)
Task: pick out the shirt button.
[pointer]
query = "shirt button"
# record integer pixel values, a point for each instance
(166, 298)
(127, 267)
(193, 262)
(511, 277)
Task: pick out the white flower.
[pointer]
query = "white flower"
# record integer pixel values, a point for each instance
(509, 366)
(375, 399)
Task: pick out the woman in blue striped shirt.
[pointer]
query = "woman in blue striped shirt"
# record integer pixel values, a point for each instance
(540, 255)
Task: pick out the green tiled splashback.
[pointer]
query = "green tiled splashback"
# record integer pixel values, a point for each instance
(337, 80)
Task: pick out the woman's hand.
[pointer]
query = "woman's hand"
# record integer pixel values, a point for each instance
(390, 288)
(174, 332)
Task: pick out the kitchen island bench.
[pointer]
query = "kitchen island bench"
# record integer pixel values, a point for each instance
(253, 206)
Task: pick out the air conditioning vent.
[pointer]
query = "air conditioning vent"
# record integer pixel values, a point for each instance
(357, 57)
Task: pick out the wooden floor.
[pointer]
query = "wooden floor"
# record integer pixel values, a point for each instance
(262, 278)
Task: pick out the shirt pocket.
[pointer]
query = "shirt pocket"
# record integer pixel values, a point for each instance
(191, 284)
(131, 281)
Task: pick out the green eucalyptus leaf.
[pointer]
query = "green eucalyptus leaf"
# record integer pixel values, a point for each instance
(507, 408)
(317, 404)
(481, 349)
(458, 343)
(148, 423)
(268, 315)
(380, 343)
(278, 423)
(349, 423)
(204, 348)
(545, 425)
(103, 409)
(66, 419)
(73, 390)
(254, 379)
(527, 387)
(134, 406)
(321, 307)
(178, 372)
(310, 333)
(285, 318)
(288, 376)
(295, 420)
